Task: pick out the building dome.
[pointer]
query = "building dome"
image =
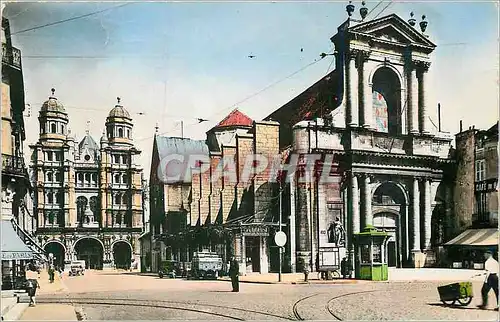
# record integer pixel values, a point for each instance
(119, 111)
(53, 105)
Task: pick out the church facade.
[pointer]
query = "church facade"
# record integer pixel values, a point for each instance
(376, 157)
(88, 199)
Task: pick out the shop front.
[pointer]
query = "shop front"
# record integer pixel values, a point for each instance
(467, 249)
(15, 257)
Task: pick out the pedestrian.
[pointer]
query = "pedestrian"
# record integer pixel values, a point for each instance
(344, 268)
(51, 273)
(31, 286)
(491, 279)
(234, 271)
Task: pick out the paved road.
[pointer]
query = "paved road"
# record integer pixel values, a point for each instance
(124, 296)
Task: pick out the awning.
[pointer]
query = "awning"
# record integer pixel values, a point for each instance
(13, 248)
(476, 237)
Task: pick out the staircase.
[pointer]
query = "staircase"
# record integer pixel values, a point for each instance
(13, 304)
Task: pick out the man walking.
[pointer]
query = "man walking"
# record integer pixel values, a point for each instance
(491, 279)
(31, 287)
(234, 273)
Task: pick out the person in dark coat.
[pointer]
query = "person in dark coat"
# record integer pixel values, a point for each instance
(234, 271)
(31, 287)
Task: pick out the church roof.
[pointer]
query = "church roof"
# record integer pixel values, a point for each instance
(235, 119)
(88, 142)
(318, 100)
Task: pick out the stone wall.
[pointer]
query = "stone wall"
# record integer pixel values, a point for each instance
(463, 194)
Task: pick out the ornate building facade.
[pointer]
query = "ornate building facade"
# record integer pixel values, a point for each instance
(369, 124)
(88, 196)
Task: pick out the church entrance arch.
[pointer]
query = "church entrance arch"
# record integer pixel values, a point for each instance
(58, 250)
(122, 254)
(390, 215)
(91, 251)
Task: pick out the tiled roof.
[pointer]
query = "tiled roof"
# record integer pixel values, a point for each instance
(88, 142)
(181, 146)
(235, 118)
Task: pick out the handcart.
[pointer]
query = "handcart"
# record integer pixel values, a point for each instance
(457, 292)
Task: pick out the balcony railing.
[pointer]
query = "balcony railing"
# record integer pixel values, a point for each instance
(11, 56)
(13, 165)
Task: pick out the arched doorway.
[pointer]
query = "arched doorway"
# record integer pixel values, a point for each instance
(58, 250)
(122, 254)
(390, 215)
(387, 101)
(91, 251)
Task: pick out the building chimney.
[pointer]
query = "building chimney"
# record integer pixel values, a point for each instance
(439, 117)
(460, 126)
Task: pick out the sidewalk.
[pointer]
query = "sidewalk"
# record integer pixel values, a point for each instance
(287, 278)
(50, 312)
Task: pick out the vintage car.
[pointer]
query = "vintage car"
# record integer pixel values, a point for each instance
(205, 265)
(77, 268)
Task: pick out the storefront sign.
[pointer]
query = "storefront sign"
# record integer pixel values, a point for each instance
(254, 231)
(489, 185)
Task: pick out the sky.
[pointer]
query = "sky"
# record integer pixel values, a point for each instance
(178, 61)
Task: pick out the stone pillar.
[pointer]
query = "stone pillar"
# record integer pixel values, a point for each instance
(243, 263)
(264, 262)
(412, 94)
(367, 211)
(352, 86)
(365, 92)
(422, 99)
(355, 204)
(427, 214)
(416, 217)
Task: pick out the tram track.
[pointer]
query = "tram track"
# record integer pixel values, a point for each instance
(328, 308)
(142, 303)
(295, 305)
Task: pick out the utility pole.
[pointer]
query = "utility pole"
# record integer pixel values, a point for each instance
(280, 247)
(182, 129)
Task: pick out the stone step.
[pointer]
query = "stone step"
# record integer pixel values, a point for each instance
(7, 304)
(24, 298)
(16, 312)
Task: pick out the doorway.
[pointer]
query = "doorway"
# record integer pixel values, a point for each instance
(91, 251)
(57, 249)
(252, 251)
(122, 255)
(391, 254)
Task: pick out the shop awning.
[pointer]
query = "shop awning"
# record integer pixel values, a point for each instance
(476, 237)
(13, 248)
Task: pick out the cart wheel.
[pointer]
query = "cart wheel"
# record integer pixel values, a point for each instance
(465, 301)
(335, 274)
(449, 302)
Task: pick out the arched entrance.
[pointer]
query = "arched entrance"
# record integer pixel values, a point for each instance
(390, 215)
(58, 250)
(122, 254)
(91, 251)
(387, 101)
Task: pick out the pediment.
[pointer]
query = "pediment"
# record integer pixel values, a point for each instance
(393, 29)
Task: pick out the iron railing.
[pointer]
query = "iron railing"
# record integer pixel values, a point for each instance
(13, 165)
(11, 56)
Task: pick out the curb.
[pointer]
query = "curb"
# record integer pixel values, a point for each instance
(297, 282)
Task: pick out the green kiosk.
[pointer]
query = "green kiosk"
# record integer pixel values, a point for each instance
(370, 254)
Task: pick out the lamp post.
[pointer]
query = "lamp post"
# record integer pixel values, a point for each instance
(280, 247)
(280, 236)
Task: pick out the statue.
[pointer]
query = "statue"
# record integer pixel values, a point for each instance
(336, 233)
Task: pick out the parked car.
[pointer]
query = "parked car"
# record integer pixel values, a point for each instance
(206, 265)
(77, 268)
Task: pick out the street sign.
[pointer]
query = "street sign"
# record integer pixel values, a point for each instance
(280, 238)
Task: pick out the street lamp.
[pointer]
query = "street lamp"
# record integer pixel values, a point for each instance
(280, 236)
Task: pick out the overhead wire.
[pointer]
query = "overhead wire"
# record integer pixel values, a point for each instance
(268, 87)
(383, 9)
(70, 19)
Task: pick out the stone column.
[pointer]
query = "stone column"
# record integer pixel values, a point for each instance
(427, 214)
(352, 86)
(422, 98)
(355, 204)
(412, 94)
(367, 200)
(365, 92)
(416, 217)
